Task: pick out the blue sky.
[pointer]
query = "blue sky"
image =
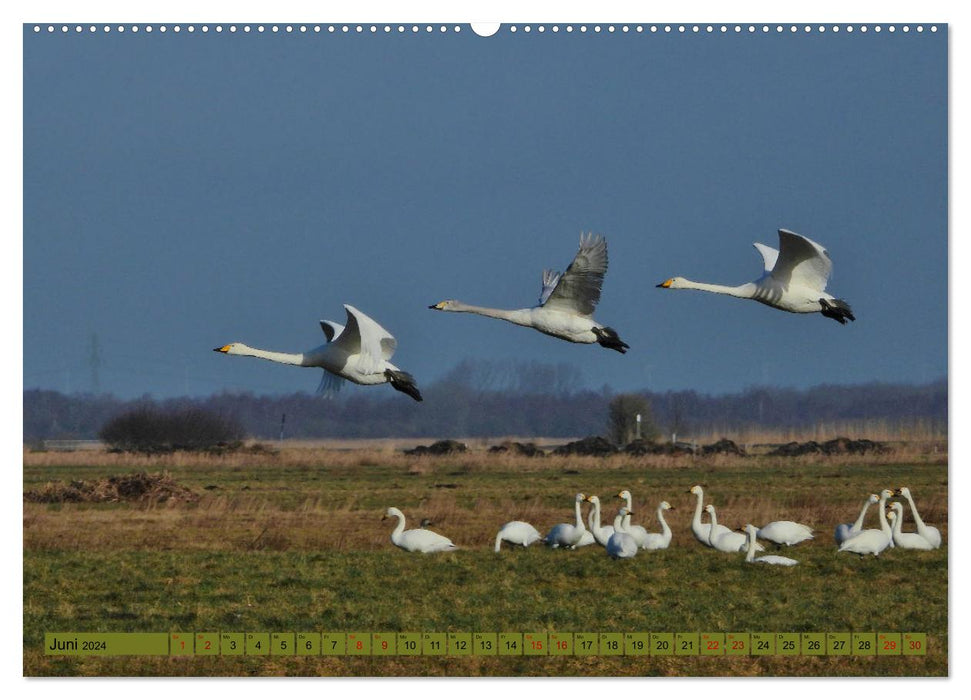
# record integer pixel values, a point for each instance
(185, 191)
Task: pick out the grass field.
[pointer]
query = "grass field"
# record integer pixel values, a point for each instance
(294, 542)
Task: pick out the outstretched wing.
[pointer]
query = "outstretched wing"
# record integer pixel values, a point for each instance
(365, 336)
(578, 289)
(801, 262)
(331, 330)
(330, 384)
(769, 255)
(550, 280)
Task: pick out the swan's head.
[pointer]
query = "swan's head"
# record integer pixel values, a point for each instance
(623, 512)
(444, 305)
(885, 494)
(902, 491)
(593, 499)
(624, 494)
(749, 529)
(665, 506)
(231, 349)
(892, 514)
(696, 490)
(673, 283)
(709, 508)
(581, 498)
(874, 498)
(897, 507)
(392, 513)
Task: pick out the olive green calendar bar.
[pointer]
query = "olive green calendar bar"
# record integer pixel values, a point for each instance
(533, 643)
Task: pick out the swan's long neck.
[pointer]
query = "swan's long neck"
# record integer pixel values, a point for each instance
(897, 523)
(696, 522)
(619, 523)
(743, 291)
(399, 528)
(665, 530)
(750, 555)
(579, 515)
(913, 511)
(858, 525)
(286, 358)
(520, 317)
(714, 525)
(498, 541)
(884, 525)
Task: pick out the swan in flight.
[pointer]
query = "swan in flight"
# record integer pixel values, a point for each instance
(844, 531)
(794, 280)
(768, 558)
(658, 540)
(785, 532)
(517, 532)
(928, 532)
(904, 540)
(567, 301)
(567, 535)
(621, 545)
(359, 352)
(600, 534)
(729, 541)
(872, 541)
(416, 540)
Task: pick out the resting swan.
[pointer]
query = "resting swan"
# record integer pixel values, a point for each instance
(768, 558)
(928, 532)
(638, 532)
(621, 545)
(359, 352)
(517, 532)
(729, 541)
(846, 530)
(785, 532)
(416, 540)
(904, 540)
(704, 532)
(567, 301)
(872, 541)
(794, 280)
(565, 534)
(661, 540)
(600, 534)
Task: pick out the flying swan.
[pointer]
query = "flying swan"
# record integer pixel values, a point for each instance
(567, 301)
(517, 532)
(768, 558)
(359, 352)
(416, 540)
(794, 280)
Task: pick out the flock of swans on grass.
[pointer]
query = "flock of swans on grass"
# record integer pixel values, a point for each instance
(622, 540)
(794, 279)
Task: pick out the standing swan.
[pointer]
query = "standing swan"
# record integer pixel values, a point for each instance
(600, 534)
(517, 532)
(844, 531)
(567, 302)
(416, 540)
(904, 540)
(794, 280)
(565, 534)
(928, 532)
(621, 545)
(359, 352)
(768, 558)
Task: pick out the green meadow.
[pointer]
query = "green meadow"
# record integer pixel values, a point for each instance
(293, 541)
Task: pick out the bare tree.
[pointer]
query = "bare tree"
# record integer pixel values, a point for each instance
(622, 419)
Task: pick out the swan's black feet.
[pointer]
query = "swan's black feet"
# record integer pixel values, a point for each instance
(404, 382)
(608, 338)
(836, 309)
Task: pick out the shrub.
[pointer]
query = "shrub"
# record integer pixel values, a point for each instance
(151, 431)
(622, 419)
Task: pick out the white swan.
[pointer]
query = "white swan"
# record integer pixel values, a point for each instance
(659, 540)
(638, 532)
(872, 541)
(416, 540)
(768, 558)
(846, 530)
(725, 541)
(567, 535)
(600, 533)
(567, 301)
(705, 532)
(928, 532)
(517, 532)
(794, 280)
(621, 545)
(785, 532)
(359, 352)
(904, 540)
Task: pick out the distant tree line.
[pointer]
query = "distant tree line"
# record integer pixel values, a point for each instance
(519, 399)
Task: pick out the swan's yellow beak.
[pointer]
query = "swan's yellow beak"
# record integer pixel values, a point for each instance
(224, 348)
(666, 283)
(620, 495)
(440, 305)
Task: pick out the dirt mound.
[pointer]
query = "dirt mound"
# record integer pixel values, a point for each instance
(442, 447)
(520, 449)
(837, 446)
(722, 447)
(138, 487)
(595, 446)
(639, 448)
